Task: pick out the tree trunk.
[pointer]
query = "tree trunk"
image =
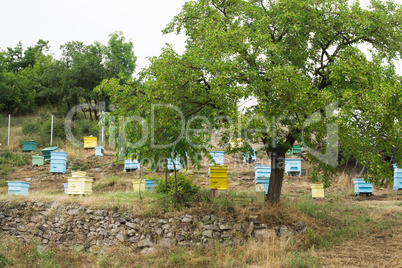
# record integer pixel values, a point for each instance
(276, 179)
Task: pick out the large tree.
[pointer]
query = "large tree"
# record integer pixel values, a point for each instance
(319, 71)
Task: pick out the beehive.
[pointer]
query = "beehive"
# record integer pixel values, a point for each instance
(131, 164)
(58, 162)
(260, 193)
(37, 160)
(397, 178)
(218, 178)
(139, 185)
(18, 188)
(362, 187)
(263, 181)
(218, 157)
(170, 165)
(317, 190)
(46, 152)
(79, 183)
(28, 146)
(250, 159)
(262, 171)
(150, 184)
(65, 188)
(90, 142)
(293, 166)
(99, 150)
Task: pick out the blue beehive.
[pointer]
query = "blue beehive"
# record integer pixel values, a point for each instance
(262, 171)
(170, 165)
(99, 150)
(65, 188)
(249, 159)
(58, 162)
(262, 175)
(293, 167)
(218, 156)
(150, 184)
(362, 187)
(397, 178)
(264, 181)
(130, 164)
(18, 188)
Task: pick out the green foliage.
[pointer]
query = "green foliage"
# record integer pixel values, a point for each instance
(186, 189)
(85, 127)
(3, 261)
(298, 261)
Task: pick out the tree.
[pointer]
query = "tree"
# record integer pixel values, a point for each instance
(303, 63)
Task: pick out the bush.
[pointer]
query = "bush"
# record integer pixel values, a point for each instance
(186, 189)
(85, 127)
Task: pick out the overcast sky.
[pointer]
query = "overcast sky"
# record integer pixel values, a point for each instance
(61, 21)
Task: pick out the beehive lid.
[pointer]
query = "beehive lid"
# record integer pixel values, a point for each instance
(50, 149)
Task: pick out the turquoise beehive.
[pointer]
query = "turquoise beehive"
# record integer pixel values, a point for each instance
(130, 164)
(18, 188)
(46, 152)
(293, 166)
(58, 162)
(397, 177)
(150, 184)
(362, 187)
(28, 146)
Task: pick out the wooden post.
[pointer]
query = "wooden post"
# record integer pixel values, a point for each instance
(51, 132)
(9, 119)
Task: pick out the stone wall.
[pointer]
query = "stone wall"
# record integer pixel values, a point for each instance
(73, 225)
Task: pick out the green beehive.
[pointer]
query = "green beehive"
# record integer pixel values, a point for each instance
(28, 146)
(37, 160)
(46, 152)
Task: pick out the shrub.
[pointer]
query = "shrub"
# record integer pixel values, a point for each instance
(186, 189)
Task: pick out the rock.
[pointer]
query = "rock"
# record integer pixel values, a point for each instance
(300, 227)
(284, 231)
(120, 237)
(187, 219)
(206, 218)
(166, 242)
(207, 233)
(211, 227)
(250, 229)
(73, 212)
(147, 251)
(180, 238)
(264, 234)
(133, 225)
(226, 227)
(146, 243)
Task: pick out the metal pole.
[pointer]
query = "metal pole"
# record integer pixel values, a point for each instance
(103, 126)
(51, 132)
(9, 120)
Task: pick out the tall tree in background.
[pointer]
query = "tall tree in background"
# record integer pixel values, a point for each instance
(303, 63)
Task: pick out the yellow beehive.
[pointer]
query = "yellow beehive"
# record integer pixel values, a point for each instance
(317, 190)
(139, 185)
(75, 174)
(260, 193)
(90, 142)
(218, 178)
(80, 185)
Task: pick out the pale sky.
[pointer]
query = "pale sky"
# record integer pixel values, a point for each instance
(61, 21)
